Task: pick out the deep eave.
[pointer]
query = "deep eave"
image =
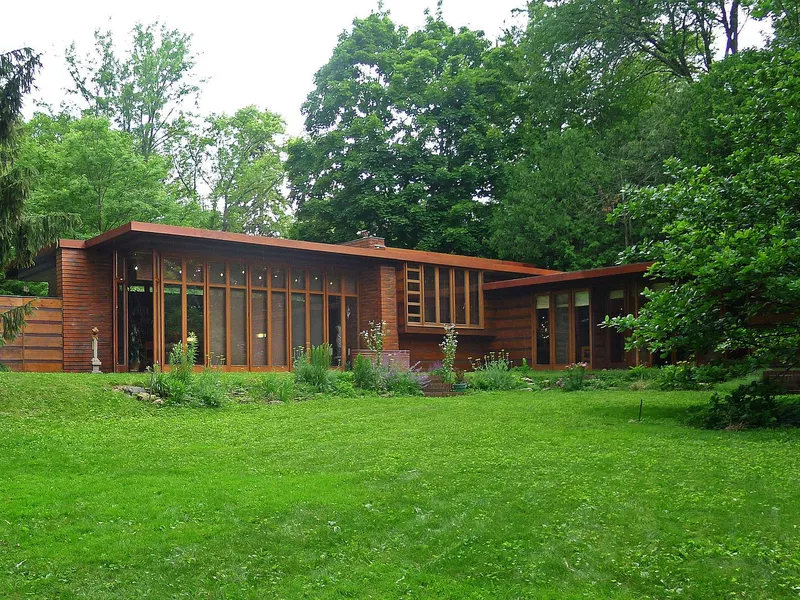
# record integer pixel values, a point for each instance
(393, 254)
(636, 268)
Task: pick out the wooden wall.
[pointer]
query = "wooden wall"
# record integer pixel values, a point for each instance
(85, 281)
(511, 320)
(40, 345)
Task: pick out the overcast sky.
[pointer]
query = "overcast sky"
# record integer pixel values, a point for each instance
(263, 53)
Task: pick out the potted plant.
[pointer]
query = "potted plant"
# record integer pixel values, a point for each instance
(460, 384)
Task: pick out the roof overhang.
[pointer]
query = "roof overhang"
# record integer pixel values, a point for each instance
(211, 239)
(573, 276)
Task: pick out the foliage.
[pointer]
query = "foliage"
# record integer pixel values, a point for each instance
(180, 385)
(402, 137)
(680, 376)
(374, 337)
(313, 370)
(493, 372)
(207, 389)
(374, 377)
(145, 91)
(275, 387)
(231, 166)
(574, 377)
(22, 233)
(449, 346)
(86, 168)
(728, 231)
(749, 406)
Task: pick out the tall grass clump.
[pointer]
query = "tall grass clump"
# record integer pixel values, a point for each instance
(492, 372)
(312, 370)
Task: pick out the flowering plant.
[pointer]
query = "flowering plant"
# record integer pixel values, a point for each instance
(449, 346)
(374, 338)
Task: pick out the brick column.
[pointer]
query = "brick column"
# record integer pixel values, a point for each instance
(378, 301)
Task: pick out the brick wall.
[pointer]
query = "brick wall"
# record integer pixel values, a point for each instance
(85, 281)
(378, 301)
(367, 242)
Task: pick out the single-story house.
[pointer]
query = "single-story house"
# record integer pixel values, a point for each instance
(251, 301)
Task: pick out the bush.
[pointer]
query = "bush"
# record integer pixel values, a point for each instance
(275, 387)
(680, 376)
(313, 370)
(574, 377)
(385, 378)
(4, 368)
(493, 372)
(207, 390)
(749, 406)
(366, 375)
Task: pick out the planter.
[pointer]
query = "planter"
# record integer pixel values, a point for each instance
(460, 387)
(436, 387)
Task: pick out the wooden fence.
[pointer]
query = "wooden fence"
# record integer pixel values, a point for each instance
(40, 346)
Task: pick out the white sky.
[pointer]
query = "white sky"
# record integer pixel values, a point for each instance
(263, 53)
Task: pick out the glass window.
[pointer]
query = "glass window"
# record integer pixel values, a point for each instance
(444, 295)
(474, 298)
(173, 317)
(172, 269)
(238, 274)
(461, 297)
(278, 340)
(315, 281)
(121, 358)
(583, 349)
(616, 339)
(238, 327)
(352, 340)
(259, 276)
(194, 320)
(335, 333)
(298, 321)
(258, 331)
(543, 330)
(317, 319)
(216, 273)
(562, 328)
(350, 284)
(279, 278)
(298, 279)
(430, 294)
(217, 319)
(334, 283)
(194, 271)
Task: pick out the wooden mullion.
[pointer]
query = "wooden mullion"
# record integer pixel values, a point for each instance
(248, 316)
(437, 320)
(227, 316)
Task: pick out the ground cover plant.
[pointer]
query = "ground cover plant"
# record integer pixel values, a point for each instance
(506, 495)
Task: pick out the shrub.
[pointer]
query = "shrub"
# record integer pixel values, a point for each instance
(449, 346)
(752, 405)
(574, 377)
(313, 370)
(679, 376)
(4, 368)
(365, 374)
(181, 359)
(275, 387)
(374, 338)
(493, 372)
(207, 390)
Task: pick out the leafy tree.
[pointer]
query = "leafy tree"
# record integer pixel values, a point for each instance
(143, 92)
(233, 169)
(22, 234)
(728, 231)
(85, 167)
(404, 134)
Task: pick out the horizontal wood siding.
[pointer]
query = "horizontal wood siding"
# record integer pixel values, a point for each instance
(513, 328)
(424, 349)
(40, 345)
(85, 285)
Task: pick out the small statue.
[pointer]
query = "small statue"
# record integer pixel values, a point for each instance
(95, 361)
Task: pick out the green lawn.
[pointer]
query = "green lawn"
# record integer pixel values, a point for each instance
(507, 495)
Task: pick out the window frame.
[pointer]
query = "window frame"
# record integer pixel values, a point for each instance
(418, 270)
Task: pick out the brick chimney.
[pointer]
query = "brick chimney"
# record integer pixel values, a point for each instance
(367, 240)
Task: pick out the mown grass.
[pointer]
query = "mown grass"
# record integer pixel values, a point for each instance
(496, 495)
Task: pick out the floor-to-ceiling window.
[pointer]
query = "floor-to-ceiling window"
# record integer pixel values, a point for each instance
(583, 328)
(255, 314)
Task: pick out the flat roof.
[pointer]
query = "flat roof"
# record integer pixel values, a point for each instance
(569, 276)
(394, 254)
